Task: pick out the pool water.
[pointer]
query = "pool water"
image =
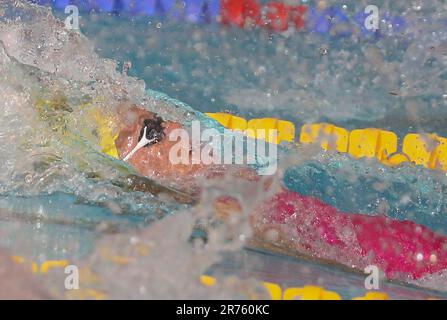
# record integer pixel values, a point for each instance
(354, 81)
(257, 73)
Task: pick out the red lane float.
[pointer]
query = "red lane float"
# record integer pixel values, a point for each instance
(297, 15)
(232, 12)
(278, 16)
(252, 12)
(402, 249)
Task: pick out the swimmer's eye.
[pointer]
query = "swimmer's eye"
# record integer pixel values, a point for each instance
(154, 130)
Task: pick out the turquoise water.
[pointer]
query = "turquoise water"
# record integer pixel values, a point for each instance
(252, 73)
(403, 193)
(256, 73)
(59, 226)
(218, 69)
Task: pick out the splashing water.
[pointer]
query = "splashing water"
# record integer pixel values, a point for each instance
(52, 83)
(53, 171)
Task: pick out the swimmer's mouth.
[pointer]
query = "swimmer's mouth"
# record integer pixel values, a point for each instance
(151, 133)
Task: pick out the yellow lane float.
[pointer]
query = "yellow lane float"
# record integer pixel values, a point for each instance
(428, 150)
(327, 135)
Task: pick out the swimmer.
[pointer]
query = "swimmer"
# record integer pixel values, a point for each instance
(143, 143)
(289, 221)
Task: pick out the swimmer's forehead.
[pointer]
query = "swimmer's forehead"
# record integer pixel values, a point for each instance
(131, 116)
(135, 114)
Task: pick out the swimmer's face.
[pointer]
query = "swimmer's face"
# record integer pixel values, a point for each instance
(152, 157)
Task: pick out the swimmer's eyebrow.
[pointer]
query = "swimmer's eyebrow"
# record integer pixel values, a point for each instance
(141, 144)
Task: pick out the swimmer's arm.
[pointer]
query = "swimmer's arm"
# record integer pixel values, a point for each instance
(133, 182)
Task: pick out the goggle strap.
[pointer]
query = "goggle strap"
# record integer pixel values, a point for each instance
(141, 144)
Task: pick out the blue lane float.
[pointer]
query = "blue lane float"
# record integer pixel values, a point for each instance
(334, 21)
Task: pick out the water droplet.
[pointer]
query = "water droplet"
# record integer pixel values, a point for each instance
(29, 178)
(323, 51)
(433, 258)
(417, 6)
